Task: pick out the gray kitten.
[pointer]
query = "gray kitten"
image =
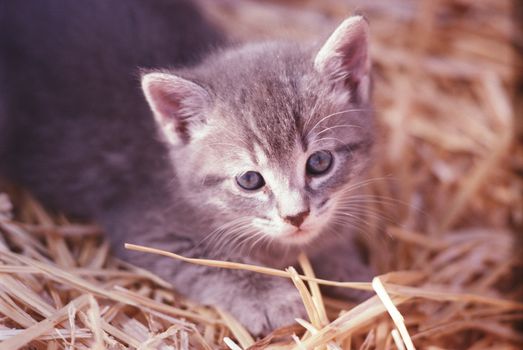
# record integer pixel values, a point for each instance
(251, 156)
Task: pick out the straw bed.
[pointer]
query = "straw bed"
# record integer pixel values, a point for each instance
(443, 225)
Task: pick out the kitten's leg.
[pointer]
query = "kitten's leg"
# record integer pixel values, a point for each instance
(260, 302)
(343, 262)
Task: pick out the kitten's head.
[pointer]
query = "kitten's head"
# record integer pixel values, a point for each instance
(268, 139)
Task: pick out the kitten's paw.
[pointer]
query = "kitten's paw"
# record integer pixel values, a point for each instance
(269, 309)
(353, 272)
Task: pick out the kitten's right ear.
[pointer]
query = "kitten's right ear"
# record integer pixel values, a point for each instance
(345, 57)
(178, 104)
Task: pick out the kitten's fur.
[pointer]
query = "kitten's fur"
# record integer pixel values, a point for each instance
(76, 131)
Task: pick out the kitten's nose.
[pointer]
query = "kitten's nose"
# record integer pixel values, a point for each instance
(298, 219)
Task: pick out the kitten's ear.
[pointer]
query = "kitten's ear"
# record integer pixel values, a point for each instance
(178, 104)
(345, 58)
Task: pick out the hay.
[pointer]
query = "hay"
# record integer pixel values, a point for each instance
(441, 225)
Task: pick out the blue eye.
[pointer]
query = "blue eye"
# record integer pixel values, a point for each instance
(250, 181)
(319, 163)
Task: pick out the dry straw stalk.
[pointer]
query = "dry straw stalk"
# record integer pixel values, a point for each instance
(442, 221)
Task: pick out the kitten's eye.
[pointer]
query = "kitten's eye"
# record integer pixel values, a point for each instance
(250, 181)
(319, 162)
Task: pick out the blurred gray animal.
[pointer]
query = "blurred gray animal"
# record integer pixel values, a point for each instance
(252, 155)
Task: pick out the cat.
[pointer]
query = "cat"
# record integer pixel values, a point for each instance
(248, 153)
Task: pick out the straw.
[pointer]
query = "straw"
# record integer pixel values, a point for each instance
(441, 223)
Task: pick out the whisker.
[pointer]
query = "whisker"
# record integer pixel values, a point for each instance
(222, 143)
(333, 115)
(338, 126)
(260, 239)
(216, 236)
(367, 213)
(353, 216)
(364, 183)
(229, 245)
(312, 113)
(243, 238)
(327, 138)
(381, 198)
(351, 224)
(384, 201)
(337, 233)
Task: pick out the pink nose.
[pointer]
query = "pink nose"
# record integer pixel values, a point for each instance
(297, 219)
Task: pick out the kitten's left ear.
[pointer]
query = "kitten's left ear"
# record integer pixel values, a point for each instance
(178, 105)
(345, 58)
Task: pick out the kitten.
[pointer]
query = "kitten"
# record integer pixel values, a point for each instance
(251, 155)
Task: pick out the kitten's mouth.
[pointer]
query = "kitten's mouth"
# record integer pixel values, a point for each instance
(298, 236)
(299, 232)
